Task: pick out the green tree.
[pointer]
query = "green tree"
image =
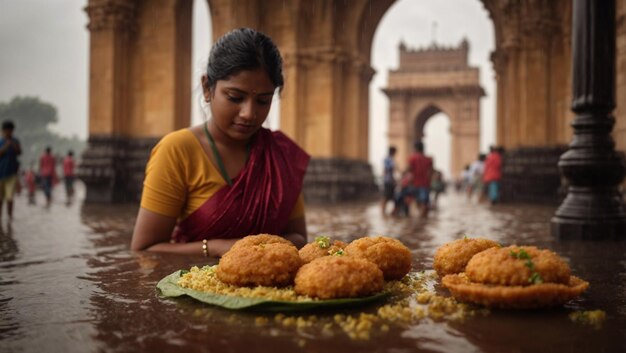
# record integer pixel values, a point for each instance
(32, 118)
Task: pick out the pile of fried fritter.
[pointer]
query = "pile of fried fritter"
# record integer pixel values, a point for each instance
(322, 269)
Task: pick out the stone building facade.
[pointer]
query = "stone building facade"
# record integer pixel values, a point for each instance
(140, 72)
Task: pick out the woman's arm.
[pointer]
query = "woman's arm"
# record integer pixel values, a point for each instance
(296, 232)
(153, 232)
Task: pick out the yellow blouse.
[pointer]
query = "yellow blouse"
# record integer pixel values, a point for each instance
(180, 177)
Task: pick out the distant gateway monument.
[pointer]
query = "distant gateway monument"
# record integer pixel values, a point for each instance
(432, 80)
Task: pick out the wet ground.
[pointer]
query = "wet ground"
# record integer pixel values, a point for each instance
(68, 283)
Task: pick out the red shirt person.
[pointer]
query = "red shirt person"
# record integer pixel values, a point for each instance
(421, 167)
(47, 171)
(493, 174)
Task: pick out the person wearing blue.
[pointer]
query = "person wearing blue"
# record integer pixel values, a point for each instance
(9, 150)
(389, 181)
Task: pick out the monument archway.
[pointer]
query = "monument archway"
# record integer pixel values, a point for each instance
(429, 81)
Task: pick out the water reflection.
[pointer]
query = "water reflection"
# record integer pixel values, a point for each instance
(8, 245)
(68, 283)
(8, 252)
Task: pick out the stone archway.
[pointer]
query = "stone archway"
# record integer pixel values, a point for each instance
(429, 81)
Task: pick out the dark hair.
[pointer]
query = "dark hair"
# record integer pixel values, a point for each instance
(70, 153)
(419, 146)
(8, 125)
(244, 49)
(392, 150)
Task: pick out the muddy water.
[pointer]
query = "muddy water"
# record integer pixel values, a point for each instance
(68, 283)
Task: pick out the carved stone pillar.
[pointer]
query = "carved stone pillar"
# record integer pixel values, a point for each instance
(140, 89)
(330, 123)
(499, 60)
(593, 207)
(539, 31)
(111, 24)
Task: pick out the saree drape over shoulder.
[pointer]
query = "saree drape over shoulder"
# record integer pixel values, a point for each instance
(261, 197)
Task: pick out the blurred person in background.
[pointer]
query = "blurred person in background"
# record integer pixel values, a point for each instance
(421, 167)
(47, 172)
(68, 175)
(389, 180)
(10, 148)
(493, 174)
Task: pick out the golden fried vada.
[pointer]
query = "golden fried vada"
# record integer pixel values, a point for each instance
(452, 257)
(330, 277)
(515, 277)
(260, 239)
(513, 297)
(264, 264)
(321, 246)
(517, 266)
(390, 255)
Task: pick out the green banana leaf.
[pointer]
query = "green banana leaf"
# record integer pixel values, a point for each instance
(169, 288)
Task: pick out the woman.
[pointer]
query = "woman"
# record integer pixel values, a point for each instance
(212, 184)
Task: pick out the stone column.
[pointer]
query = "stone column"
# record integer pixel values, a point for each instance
(499, 61)
(593, 208)
(328, 122)
(619, 132)
(111, 24)
(535, 78)
(465, 136)
(140, 89)
(399, 133)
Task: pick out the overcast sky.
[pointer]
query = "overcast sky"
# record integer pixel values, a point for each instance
(44, 52)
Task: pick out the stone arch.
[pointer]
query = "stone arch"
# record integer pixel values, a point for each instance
(421, 118)
(432, 80)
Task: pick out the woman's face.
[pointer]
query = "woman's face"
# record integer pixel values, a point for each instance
(240, 103)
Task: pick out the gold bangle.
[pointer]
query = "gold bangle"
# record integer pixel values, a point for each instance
(205, 248)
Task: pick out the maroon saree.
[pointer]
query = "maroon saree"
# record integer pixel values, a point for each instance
(261, 198)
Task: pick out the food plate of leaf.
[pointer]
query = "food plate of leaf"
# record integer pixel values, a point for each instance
(169, 287)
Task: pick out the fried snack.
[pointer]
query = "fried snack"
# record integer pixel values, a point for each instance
(517, 277)
(390, 255)
(330, 277)
(322, 246)
(260, 239)
(514, 297)
(263, 264)
(452, 257)
(517, 266)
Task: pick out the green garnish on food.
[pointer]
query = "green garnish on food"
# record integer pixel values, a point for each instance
(323, 241)
(339, 252)
(522, 254)
(590, 317)
(535, 277)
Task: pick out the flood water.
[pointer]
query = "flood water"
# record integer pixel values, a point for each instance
(68, 283)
